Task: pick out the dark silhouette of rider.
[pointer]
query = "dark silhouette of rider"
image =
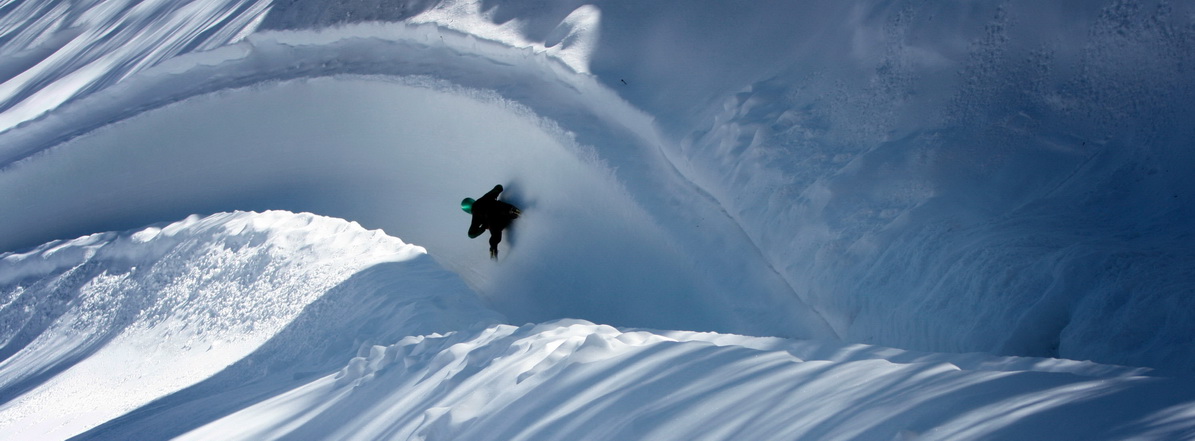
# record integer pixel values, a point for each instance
(490, 214)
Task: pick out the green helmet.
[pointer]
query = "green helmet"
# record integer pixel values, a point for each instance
(467, 205)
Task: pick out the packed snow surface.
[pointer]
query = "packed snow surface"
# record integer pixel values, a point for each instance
(732, 213)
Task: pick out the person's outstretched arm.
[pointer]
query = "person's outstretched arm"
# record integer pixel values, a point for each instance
(493, 194)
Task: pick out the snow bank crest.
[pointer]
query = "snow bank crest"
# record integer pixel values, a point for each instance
(576, 380)
(572, 39)
(578, 341)
(70, 50)
(160, 308)
(280, 230)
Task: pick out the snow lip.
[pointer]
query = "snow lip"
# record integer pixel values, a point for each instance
(227, 299)
(371, 48)
(573, 379)
(589, 121)
(151, 242)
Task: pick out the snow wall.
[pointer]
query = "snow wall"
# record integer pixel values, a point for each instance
(1008, 177)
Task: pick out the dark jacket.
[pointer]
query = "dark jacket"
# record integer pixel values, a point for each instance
(491, 214)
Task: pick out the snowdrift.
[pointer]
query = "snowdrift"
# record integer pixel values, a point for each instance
(1010, 178)
(1021, 174)
(280, 325)
(131, 317)
(572, 380)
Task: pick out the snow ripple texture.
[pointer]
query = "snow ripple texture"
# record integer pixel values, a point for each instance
(155, 310)
(572, 380)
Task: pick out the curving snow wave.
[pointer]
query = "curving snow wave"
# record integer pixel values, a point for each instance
(57, 52)
(377, 148)
(1008, 178)
(1018, 172)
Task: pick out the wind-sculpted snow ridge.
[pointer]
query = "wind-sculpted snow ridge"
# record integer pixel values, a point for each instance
(403, 117)
(990, 176)
(532, 78)
(1008, 177)
(573, 380)
(401, 349)
(94, 327)
(55, 52)
(997, 176)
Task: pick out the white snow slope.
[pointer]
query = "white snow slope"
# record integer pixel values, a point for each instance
(728, 209)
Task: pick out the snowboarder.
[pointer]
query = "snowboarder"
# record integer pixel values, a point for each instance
(490, 214)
